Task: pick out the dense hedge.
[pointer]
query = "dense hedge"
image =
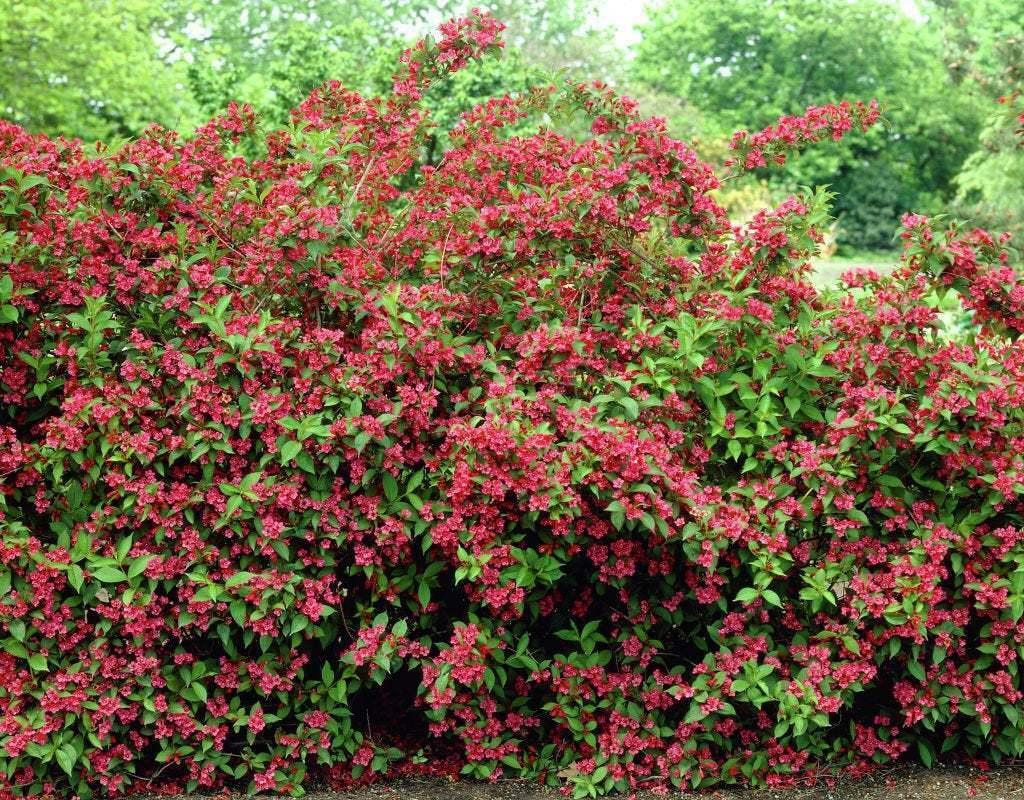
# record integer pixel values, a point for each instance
(319, 464)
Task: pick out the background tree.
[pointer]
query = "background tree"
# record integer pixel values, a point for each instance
(106, 69)
(89, 68)
(273, 53)
(984, 45)
(984, 42)
(746, 62)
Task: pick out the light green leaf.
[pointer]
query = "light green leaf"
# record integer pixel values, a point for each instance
(66, 757)
(139, 565)
(109, 574)
(289, 450)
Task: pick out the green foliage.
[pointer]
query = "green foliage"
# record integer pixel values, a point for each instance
(991, 184)
(111, 68)
(88, 68)
(984, 42)
(273, 53)
(746, 62)
(985, 54)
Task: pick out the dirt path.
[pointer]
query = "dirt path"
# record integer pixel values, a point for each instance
(899, 784)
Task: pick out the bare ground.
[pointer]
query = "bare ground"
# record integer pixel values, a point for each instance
(906, 783)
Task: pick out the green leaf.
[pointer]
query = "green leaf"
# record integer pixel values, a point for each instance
(66, 757)
(109, 574)
(289, 450)
(123, 547)
(76, 577)
(238, 578)
(139, 565)
(232, 505)
(15, 648)
(631, 407)
(237, 609)
(390, 486)
(926, 751)
(746, 595)
(772, 598)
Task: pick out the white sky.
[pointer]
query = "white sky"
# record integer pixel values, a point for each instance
(623, 16)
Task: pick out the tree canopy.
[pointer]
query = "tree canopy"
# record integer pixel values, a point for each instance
(94, 69)
(747, 62)
(273, 53)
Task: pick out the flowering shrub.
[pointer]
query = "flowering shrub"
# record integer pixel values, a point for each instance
(530, 464)
(792, 134)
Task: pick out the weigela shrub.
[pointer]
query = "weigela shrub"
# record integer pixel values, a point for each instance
(320, 463)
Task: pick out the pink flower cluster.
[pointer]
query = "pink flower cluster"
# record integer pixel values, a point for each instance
(792, 134)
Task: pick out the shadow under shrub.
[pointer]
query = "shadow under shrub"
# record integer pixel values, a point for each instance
(533, 446)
